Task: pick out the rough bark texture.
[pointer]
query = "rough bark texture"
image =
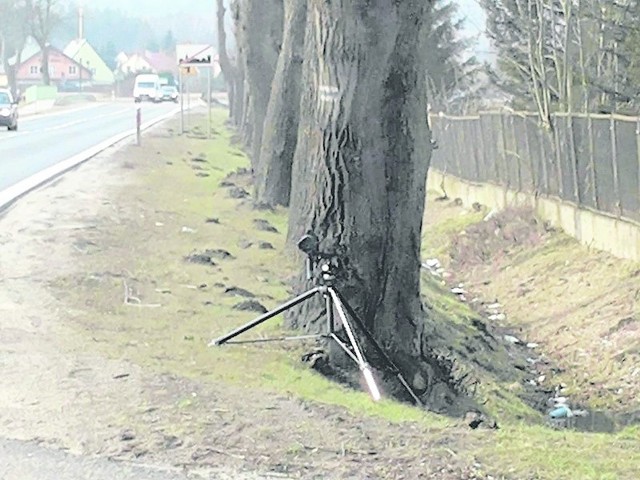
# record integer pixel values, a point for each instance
(43, 17)
(261, 28)
(360, 172)
(46, 77)
(280, 135)
(239, 94)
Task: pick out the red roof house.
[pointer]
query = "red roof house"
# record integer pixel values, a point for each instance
(61, 69)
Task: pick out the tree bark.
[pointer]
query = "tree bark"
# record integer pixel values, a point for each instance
(261, 28)
(46, 77)
(237, 107)
(360, 171)
(279, 138)
(228, 69)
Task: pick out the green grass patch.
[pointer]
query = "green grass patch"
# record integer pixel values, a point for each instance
(436, 239)
(537, 452)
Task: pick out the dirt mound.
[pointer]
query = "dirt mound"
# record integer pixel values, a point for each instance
(497, 236)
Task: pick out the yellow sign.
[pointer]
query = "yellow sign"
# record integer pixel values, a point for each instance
(189, 71)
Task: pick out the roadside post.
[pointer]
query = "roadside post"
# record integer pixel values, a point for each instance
(181, 103)
(138, 126)
(191, 59)
(209, 99)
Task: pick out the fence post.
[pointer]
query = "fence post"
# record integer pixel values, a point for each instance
(517, 155)
(592, 162)
(494, 141)
(541, 139)
(458, 151)
(481, 151)
(462, 143)
(556, 143)
(138, 126)
(503, 133)
(614, 163)
(527, 147)
(573, 159)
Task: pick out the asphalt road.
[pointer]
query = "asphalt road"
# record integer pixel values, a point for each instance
(44, 140)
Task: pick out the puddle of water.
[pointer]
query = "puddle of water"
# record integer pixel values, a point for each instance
(598, 422)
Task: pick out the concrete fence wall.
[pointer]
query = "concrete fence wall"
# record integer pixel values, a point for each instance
(594, 229)
(582, 175)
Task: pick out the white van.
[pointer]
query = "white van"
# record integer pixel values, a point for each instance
(147, 87)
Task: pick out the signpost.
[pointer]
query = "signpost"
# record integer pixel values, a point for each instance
(191, 59)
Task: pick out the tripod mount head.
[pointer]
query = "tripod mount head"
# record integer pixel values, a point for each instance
(325, 265)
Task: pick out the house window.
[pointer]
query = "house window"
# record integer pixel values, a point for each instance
(33, 69)
(73, 70)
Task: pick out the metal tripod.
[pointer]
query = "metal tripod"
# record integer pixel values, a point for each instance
(325, 265)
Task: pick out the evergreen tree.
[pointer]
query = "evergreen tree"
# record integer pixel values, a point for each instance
(169, 42)
(566, 54)
(451, 69)
(108, 53)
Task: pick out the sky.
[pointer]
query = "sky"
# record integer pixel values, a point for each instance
(475, 18)
(469, 9)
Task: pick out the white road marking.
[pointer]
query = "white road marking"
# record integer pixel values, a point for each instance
(12, 193)
(19, 133)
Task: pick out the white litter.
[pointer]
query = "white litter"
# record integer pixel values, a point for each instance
(511, 339)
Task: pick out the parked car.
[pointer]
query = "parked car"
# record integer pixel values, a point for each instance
(169, 93)
(69, 86)
(147, 87)
(8, 110)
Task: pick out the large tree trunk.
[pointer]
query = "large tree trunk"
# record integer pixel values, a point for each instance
(228, 69)
(239, 97)
(261, 26)
(280, 135)
(360, 171)
(46, 77)
(237, 106)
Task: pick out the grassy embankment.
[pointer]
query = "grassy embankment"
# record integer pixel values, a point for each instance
(195, 309)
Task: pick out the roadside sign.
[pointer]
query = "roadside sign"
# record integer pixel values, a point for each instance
(188, 71)
(190, 54)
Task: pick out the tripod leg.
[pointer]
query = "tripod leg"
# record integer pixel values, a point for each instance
(347, 327)
(377, 346)
(362, 363)
(266, 316)
(330, 317)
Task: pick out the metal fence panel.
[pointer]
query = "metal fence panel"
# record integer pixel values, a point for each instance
(584, 158)
(627, 168)
(474, 147)
(594, 162)
(453, 143)
(438, 158)
(566, 169)
(536, 147)
(467, 159)
(499, 139)
(483, 161)
(490, 144)
(603, 160)
(551, 163)
(525, 171)
(510, 156)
